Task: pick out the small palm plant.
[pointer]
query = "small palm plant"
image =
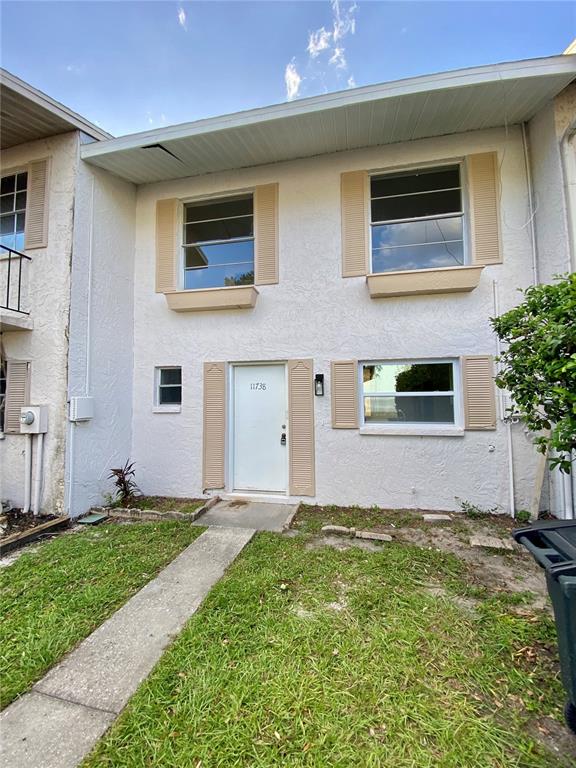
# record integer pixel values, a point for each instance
(124, 482)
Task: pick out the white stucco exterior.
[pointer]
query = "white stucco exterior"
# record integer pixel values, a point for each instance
(100, 329)
(101, 339)
(47, 290)
(314, 313)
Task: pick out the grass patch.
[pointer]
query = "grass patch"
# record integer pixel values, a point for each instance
(56, 595)
(311, 518)
(321, 658)
(167, 504)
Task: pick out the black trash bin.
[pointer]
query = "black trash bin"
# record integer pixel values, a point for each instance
(553, 546)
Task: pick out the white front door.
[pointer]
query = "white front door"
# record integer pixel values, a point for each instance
(260, 451)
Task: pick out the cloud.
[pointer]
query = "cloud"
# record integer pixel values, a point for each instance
(75, 69)
(344, 22)
(327, 64)
(319, 41)
(292, 80)
(338, 59)
(182, 18)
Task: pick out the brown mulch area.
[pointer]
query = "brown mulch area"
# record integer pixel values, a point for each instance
(15, 521)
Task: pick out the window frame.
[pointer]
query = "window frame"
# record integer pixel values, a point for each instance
(212, 198)
(14, 171)
(414, 426)
(464, 213)
(159, 407)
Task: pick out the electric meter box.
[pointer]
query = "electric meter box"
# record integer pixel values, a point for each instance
(33, 419)
(81, 408)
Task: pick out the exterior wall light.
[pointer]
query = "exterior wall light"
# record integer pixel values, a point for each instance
(319, 384)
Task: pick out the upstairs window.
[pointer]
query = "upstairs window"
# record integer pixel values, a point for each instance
(409, 393)
(219, 243)
(417, 219)
(13, 210)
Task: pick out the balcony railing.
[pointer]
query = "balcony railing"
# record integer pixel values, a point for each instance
(11, 263)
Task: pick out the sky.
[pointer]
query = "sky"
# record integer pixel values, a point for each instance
(139, 65)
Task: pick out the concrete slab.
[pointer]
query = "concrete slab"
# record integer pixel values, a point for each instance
(433, 518)
(490, 542)
(41, 732)
(107, 667)
(244, 513)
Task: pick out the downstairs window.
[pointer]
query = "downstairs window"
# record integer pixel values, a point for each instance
(409, 392)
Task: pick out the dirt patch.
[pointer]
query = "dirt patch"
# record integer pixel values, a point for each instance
(513, 572)
(557, 738)
(237, 503)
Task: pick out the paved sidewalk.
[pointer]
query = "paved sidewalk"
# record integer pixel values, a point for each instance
(66, 713)
(245, 513)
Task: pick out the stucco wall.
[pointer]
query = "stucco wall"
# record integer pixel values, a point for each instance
(315, 313)
(554, 184)
(549, 202)
(101, 338)
(48, 293)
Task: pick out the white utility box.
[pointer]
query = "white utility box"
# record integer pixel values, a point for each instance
(81, 408)
(33, 419)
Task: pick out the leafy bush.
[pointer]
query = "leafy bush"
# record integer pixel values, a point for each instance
(539, 364)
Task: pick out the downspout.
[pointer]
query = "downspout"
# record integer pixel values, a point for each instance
(570, 199)
(38, 475)
(27, 473)
(531, 211)
(507, 420)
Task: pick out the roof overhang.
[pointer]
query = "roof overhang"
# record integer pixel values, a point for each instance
(404, 110)
(27, 114)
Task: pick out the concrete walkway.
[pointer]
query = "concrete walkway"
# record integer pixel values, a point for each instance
(245, 513)
(66, 713)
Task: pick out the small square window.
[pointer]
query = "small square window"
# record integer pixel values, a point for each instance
(168, 387)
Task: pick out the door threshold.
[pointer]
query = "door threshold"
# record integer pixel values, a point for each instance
(263, 496)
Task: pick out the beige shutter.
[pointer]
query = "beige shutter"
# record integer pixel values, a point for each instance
(301, 423)
(214, 426)
(344, 381)
(166, 245)
(36, 220)
(479, 397)
(17, 394)
(483, 182)
(355, 214)
(266, 234)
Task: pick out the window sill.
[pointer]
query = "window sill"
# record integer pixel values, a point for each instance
(414, 431)
(167, 409)
(203, 299)
(414, 282)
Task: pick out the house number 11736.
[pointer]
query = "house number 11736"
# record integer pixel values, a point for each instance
(258, 385)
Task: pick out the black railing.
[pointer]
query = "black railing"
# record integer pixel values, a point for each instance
(13, 275)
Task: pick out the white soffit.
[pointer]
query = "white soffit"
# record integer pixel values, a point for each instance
(27, 114)
(404, 110)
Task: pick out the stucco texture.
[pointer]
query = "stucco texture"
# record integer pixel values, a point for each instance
(314, 313)
(47, 288)
(101, 339)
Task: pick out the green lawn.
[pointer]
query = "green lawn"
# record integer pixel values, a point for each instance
(305, 656)
(54, 596)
